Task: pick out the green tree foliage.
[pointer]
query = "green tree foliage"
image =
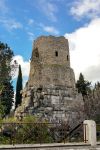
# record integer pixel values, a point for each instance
(82, 85)
(27, 131)
(6, 92)
(91, 97)
(2, 110)
(18, 98)
(92, 103)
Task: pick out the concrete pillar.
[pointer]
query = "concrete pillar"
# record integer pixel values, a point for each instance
(90, 132)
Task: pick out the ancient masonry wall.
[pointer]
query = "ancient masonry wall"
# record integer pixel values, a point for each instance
(50, 63)
(50, 92)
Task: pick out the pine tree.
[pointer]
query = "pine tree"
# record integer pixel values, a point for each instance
(18, 98)
(6, 92)
(82, 85)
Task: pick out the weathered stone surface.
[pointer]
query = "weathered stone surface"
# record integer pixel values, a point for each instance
(50, 63)
(50, 91)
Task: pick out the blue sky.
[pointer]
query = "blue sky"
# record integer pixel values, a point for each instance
(22, 21)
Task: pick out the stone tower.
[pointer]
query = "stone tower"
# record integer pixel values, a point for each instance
(50, 63)
(50, 91)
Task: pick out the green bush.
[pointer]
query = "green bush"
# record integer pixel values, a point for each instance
(27, 131)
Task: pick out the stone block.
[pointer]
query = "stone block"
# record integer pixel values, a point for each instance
(90, 132)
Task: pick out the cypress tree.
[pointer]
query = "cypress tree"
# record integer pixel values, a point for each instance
(18, 98)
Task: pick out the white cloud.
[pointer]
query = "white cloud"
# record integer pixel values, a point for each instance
(93, 73)
(5, 19)
(85, 50)
(10, 24)
(30, 22)
(51, 29)
(25, 65)
(48, 8)
(86, 8)
(3, 7)
(31, 36)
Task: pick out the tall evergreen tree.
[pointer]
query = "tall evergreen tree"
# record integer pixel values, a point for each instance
(6, 92)
(18, 98)
(82, 85)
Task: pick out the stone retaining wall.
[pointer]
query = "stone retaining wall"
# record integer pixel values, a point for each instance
(58, 146)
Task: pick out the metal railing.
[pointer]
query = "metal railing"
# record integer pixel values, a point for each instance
(31, 133)
(85, 135)
(98, 132)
